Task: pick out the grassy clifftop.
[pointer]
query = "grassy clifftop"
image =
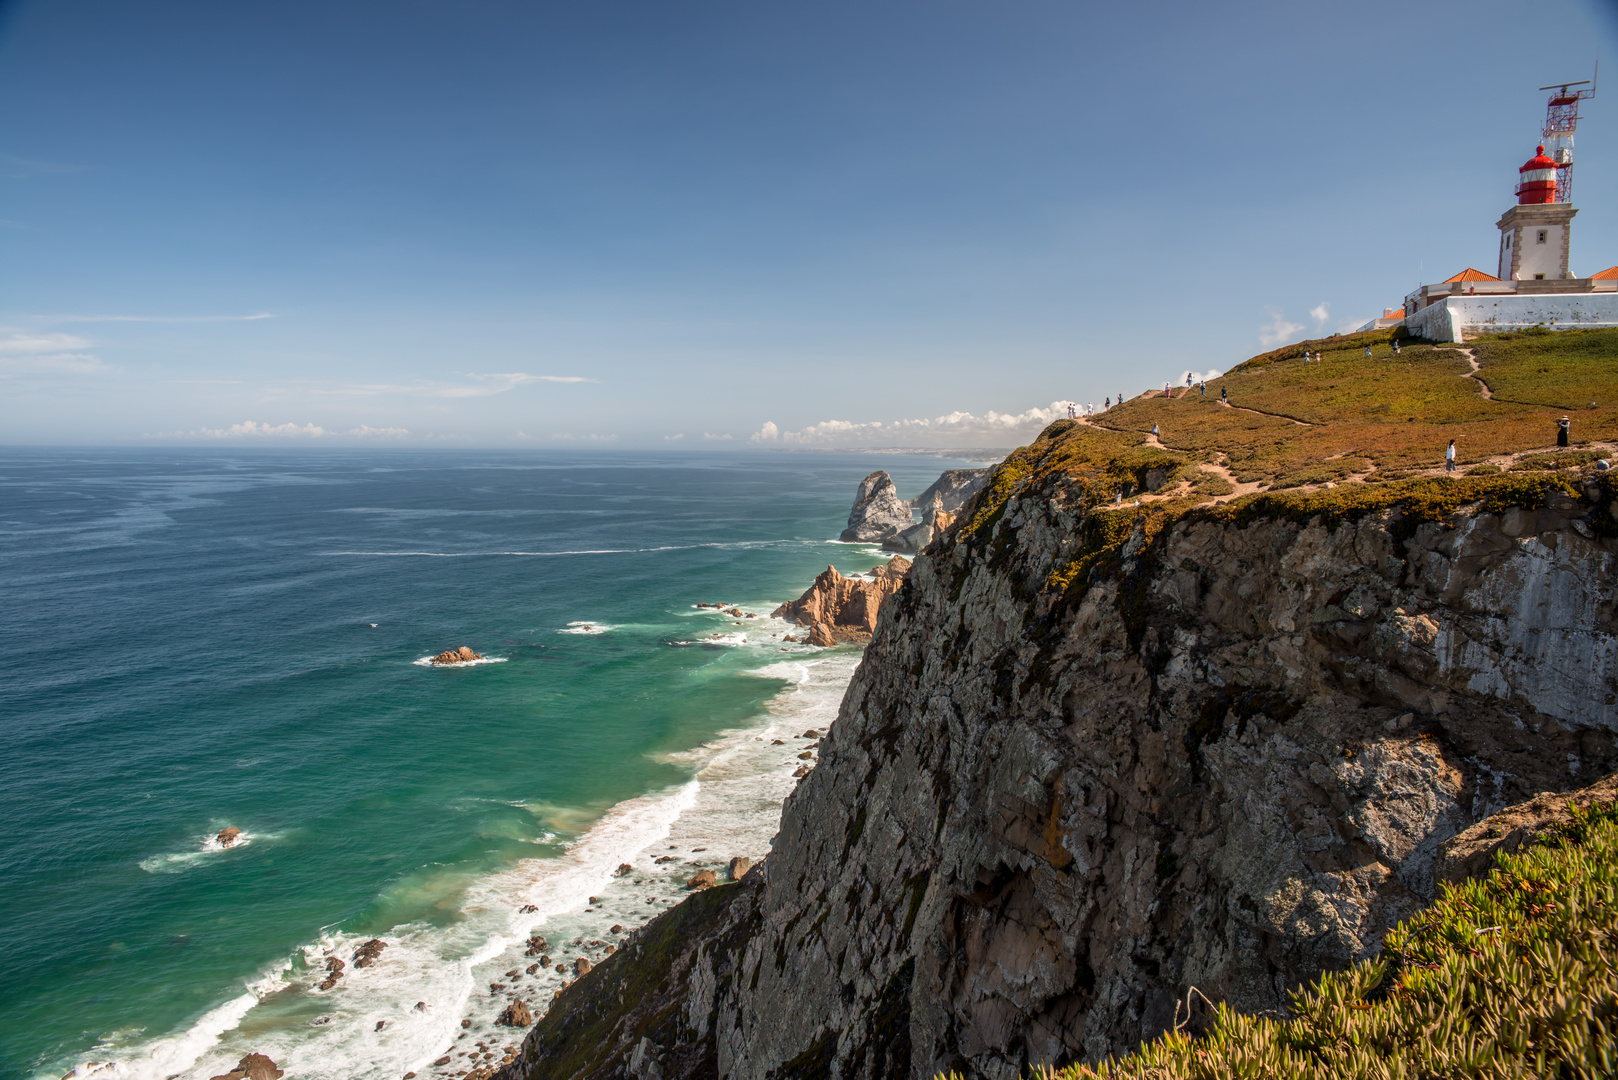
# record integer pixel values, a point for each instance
(1336, 439)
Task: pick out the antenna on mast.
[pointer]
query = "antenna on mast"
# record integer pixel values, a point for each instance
(1561, 121)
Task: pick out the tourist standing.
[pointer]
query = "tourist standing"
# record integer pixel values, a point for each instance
(1562, 427)
(1224, 396)
(1449, 457)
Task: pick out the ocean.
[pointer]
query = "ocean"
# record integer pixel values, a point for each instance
(199, 639)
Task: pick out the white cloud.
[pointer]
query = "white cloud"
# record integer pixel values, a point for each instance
(25, 355)
(959, 428)
(1278, 331)
(568, 436)
(252, 429)
(717, 438)
(672, 438)
(1320, 313)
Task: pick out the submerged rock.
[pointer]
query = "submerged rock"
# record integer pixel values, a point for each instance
(228, 836)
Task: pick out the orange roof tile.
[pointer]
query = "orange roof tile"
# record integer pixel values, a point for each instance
(1607, 274)
(1470, 274)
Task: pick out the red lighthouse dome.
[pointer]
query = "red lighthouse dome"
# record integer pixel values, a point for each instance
(1538, 179)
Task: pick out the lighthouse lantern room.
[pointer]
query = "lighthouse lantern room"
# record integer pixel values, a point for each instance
(1534, 234)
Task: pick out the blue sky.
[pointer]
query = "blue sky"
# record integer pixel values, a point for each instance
(488, 223)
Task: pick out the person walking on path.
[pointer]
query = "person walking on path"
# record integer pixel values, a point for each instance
(1395, 346)
(1449, 457)
(1562, 427)
(1224, 395)
(1203, 386)
(1154, 431)
(1166, 390)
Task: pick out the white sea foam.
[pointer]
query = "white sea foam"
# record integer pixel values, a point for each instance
(175, 862)
(427, 661)
(730, 807)
(586, 628)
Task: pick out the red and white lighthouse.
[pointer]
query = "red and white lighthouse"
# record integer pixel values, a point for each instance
(1537, 180)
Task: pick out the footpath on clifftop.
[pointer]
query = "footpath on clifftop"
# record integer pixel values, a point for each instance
(1291, 423)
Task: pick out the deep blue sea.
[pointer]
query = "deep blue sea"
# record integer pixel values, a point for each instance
(196, 640)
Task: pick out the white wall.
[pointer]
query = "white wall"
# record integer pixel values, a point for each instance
(1458, 317)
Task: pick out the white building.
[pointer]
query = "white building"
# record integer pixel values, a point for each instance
(1533, 286)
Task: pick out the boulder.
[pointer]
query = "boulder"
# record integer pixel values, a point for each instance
(467, 653)
(878, 512)
(739, 866)
(624, 870)
(228, 836)
(253, 1067)
(801, 771)
(457, 656)
(515, 1015)
(820, 634)
(581, 966)
(617, 928)
(702, 879)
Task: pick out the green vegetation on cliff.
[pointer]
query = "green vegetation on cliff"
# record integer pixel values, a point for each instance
(1511, 975)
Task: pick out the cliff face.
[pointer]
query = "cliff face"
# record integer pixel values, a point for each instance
(1085, 765)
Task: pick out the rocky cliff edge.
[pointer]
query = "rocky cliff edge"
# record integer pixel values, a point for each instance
(1099, 752)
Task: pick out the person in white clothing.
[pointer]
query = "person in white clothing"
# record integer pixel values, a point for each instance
(1449, 457)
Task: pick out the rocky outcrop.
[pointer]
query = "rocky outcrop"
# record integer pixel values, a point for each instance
(878, 511)
(369, 953)
(253, 1067)
(841, 609)
(939, 505)
(228, 836)
(953, 490)
(1086, 765)
(1470, 854)
(457, 656)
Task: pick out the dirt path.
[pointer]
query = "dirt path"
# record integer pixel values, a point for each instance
(1483, 387)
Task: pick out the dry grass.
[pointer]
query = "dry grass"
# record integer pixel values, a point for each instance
(1290, 420)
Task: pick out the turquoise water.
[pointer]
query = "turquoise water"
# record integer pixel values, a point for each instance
(191, 646)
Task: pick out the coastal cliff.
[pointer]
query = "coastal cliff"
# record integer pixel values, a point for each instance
(1099, 752)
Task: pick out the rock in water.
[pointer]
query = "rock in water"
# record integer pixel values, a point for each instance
(369, 953)
(739, 866)
(467, 653)
(702, 879)
(581, 966)
(820, 634)
(253, 1067)
(228, 836)
(878, 511)
(516, 1015)
(846, 607)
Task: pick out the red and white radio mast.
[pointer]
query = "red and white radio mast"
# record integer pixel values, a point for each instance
(1561, 120)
